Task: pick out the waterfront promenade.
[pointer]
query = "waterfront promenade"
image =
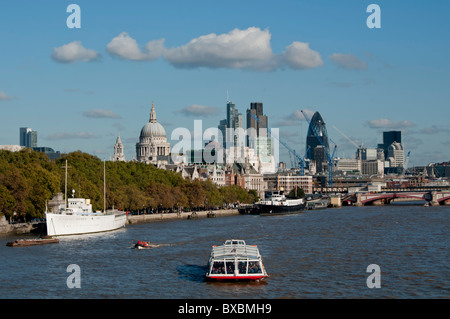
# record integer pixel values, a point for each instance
(134, 219)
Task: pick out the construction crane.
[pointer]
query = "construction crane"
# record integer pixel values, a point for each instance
(290, 149)
(348, 138)
(330, 157)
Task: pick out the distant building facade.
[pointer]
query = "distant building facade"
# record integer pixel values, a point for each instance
(256, 128)
(396, 155)
(50, 152)
(288, 181)
(28, 137)
(389, 138)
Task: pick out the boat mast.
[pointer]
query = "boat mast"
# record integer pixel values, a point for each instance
(65, 187)
(104, 187)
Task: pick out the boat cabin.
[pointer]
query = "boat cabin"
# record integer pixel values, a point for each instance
(234, 260)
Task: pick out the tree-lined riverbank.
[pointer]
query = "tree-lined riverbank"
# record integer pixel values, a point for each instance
(29, 179)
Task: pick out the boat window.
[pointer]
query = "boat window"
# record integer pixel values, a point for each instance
(218, 267)
(242, 266)
(230, 267)
(254, 267)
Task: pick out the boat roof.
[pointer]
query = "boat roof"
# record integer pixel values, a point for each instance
(235, 248)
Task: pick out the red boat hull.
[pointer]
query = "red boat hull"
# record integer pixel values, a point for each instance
(235, 278)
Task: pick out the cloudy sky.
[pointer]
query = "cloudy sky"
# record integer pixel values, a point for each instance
(80, 87)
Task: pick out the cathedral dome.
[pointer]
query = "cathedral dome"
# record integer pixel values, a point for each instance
(152, 128)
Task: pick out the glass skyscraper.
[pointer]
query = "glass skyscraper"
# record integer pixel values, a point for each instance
(317, 136)
(28, 137)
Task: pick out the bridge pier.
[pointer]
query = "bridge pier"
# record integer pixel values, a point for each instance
(434, 201)
(358, 200)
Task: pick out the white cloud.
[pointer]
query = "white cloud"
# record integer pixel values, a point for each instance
(68, 136)
(101, 114)
(298, 55)
(435, 129)
(4, 96)
(386, 123)
(199, 110)
(237, 49)
(127, 48)
(295, 117)
(348, 61)
(72, 52)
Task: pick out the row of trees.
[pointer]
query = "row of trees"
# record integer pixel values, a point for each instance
(28, 179)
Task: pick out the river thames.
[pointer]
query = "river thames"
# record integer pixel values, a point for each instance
(320, 254)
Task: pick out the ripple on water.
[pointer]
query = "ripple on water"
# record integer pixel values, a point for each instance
(318, 254)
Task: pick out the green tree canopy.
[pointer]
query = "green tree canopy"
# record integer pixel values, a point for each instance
(28, 179)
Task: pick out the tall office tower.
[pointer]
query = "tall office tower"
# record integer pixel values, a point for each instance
(396, 155)
(223, 129)
(317, 136)
(234, 125)
(320, 158)
(28, 137)
(257, 128)
(23, 135)
(389, 138)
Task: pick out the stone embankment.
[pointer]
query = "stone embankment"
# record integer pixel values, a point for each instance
(17, 229)
(134, 219)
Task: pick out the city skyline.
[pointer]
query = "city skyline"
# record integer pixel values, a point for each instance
(79, 88)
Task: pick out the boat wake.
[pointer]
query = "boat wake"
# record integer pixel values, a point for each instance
(149, 246)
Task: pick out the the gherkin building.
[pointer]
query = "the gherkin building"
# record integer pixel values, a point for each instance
(317, 136)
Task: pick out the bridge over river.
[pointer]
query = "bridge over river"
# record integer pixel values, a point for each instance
(433, 198)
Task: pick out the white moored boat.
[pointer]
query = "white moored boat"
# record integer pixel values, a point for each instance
(76, 217)
(235, 260)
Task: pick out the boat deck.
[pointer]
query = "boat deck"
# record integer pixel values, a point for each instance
(235, 261)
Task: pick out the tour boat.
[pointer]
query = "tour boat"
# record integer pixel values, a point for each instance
(76, 217)
(235, 261)
(278, 204)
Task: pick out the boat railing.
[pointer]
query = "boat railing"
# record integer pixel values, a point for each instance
(245, 251)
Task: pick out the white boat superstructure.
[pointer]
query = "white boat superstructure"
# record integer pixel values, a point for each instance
(78, 218)
(278, 203)
(278, 199)
(235, 260)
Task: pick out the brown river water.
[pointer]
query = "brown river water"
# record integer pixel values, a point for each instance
(317, 254)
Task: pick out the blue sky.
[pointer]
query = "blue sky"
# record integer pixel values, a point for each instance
(80, 87)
